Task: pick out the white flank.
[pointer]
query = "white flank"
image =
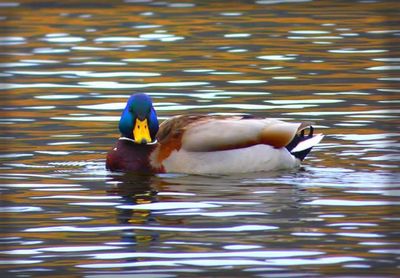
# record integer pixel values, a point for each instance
(252, 159)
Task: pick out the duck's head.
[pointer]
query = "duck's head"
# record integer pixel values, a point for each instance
(139, 120)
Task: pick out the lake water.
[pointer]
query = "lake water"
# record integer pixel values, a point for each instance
(67, 69)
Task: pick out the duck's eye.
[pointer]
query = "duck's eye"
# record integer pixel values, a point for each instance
(138, 126)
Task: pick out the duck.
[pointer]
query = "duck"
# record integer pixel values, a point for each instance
(206, 144)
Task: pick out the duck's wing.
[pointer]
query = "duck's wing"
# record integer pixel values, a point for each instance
(210, 133)
(173, 128)
(226, 134)
(170, 134)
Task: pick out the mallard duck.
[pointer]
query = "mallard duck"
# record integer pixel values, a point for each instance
(205, 144)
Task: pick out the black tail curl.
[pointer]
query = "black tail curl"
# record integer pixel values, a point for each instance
(300, 138)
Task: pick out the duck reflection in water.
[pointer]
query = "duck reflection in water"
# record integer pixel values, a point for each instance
(136, 190)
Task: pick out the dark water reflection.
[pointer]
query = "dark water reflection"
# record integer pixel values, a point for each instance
(67, 70)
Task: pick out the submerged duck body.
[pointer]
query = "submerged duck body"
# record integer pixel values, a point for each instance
(204, 144)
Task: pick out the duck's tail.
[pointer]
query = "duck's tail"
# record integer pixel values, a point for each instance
(302, 144)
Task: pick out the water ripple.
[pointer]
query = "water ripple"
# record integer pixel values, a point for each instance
(387, 59)
(217, 214)
(161, 37)
(330, 260)
(63, 39)
(361, 235)
(99, 63)
(118, 39)
(102, 85)
(336, 202)
(17, 64)
(93, 48)
(38, 185)
(61, 249)
(78, 197)
(50, 50)
(88, 73)
(249, 254)
(12, 40)
(24, 262)
(9, 4)
(384, 68)
(175, 263)
(19, 209)
(277, 57)
(247, 81)
(237, 35)
(271, 2)
(239, 228)
(315, 37)
(147, 60)
(168, 206)
(356, 51)
(308, 32)
(147, 26)
(88, 118)
(57, 97)
(95, 204)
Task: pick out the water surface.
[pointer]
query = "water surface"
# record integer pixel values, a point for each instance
(67, 70)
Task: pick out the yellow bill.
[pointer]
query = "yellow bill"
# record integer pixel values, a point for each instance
(141, 132)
